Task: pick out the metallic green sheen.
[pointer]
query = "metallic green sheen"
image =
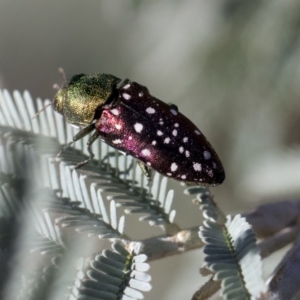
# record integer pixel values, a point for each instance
(79, 99)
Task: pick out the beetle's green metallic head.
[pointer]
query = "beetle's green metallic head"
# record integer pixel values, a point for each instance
(79, 100)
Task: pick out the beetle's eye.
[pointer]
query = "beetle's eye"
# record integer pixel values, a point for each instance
(58, 101)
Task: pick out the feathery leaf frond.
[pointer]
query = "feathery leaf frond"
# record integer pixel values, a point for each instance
(231, 252)
(115, 274)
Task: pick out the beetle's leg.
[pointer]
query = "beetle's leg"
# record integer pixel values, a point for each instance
(82, 133)
(90, 142)
(146, 170)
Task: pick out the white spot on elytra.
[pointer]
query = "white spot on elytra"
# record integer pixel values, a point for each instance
(159, 132)
(207, 154)
(197, 132)
(169, 174)
(126, 96)
(161, 123)
(214, 165)
(138, 127)
(197, 166)
(118, 126)
(210, 173)
(183, 176)
(146, 152)
(181, 149)
(176, 125)
(154, 143)
(117, 141)
(174, 132)
(185, 139)
(115, 111)
(167, 140)
(187, 153)
(125, 87)
(130, 137)
(174, 167)
(150, 110)
(141, 94)
(174, 112)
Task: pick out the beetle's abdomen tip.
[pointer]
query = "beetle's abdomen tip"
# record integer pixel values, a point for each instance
(220, 177)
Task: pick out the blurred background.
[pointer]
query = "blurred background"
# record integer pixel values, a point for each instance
(232, 67)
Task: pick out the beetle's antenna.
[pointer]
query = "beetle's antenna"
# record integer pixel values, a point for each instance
(49, 104)
(56, 87)
(63, 74)
(65, 81)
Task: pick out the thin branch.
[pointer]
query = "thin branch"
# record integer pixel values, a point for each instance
(207, 290)
(162, 246)
(188, 239)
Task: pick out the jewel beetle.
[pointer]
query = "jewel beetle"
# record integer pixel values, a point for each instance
(127, 117)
